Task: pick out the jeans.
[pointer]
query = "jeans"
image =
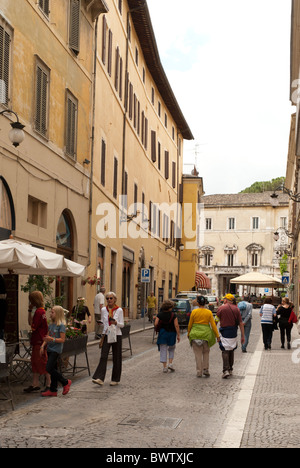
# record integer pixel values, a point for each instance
(52, 370)
(247, 328)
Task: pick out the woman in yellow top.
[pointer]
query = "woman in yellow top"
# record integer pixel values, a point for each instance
(202, 333)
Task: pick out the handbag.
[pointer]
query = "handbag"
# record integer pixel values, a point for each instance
(112, 334)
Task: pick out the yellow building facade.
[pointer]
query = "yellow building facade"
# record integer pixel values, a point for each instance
(137, 162)
(192, 187)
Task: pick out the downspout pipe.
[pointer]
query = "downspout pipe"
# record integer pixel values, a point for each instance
(93, 144)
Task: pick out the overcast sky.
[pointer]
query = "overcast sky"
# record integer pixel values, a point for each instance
(228, 62)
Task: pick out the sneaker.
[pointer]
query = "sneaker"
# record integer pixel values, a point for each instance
(66, 388)
(225, 375)
(98, 382)
(49, 394)
(165, 370)
(113, 384)
(171, 368)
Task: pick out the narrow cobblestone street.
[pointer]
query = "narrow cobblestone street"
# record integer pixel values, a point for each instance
(257, 407)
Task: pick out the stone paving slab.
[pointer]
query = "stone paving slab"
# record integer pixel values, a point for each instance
(92, 416)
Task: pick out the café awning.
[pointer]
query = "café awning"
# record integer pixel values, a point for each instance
(202, 281)
(23, 259)
(258, 280)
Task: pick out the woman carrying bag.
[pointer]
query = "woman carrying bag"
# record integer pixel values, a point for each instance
(202, 333)
(112, 317)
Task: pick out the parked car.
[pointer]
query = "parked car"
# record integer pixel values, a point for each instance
(213, 303)
(182, 308)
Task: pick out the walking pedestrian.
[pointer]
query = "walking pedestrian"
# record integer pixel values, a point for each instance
(99, 303)
(39, 327)
(55, 342)
(267, 313)
(230, 320)
(166, 323)
(284, 312)
(246, 313)
(202, 333)
(151, 304)
(79, 313)
(112, 314)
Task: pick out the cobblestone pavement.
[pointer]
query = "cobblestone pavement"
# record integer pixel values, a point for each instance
(172, 411)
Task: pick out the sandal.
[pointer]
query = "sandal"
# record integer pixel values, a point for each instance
(31, 389)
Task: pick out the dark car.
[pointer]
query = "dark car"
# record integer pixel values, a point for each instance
(182, 308)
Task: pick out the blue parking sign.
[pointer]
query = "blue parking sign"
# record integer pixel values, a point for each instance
(145, 275)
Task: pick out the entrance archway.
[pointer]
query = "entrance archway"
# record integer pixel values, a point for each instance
(7, 211)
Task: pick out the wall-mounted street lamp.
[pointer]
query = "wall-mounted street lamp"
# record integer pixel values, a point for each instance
(286, 232)
(293, 196)
(16, 134)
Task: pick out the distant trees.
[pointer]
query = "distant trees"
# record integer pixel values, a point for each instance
(259, 187)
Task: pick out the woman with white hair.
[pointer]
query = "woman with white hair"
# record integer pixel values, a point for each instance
(111, 315)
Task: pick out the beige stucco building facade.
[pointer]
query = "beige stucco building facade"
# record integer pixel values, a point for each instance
(138, 151)
(239, 237)
(47, 79)
(101, 121)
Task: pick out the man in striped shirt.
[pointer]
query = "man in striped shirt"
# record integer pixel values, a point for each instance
(267, 313)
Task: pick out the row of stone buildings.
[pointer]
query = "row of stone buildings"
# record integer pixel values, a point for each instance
(101, 162)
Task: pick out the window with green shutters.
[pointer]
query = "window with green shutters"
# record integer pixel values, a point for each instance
(71, 125)
(74, 26)
(42, 94)
(5, 52)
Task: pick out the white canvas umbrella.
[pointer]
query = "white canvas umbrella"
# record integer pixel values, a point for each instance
(23, 259)
(257, 279)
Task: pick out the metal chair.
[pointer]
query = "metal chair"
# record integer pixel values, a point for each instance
(5, 370)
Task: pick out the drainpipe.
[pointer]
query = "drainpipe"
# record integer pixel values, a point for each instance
(93, 145)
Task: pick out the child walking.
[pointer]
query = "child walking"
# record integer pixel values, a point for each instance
(55, 341)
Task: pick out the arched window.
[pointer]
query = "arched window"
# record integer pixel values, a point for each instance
(7, 212)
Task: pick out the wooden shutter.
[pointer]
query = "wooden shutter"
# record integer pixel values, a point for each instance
(153, 146)
(104, 25)
(103, 158)
(117, 70)
(71, 127)
(115, 188)
(4, 64)
(173, 174)
(41, 109)
(74, 28)
(110, 47)
(167, 175)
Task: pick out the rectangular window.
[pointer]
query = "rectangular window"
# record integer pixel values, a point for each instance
(231, 224)
(230, 260)
(42, 98)
(254, 259)
(44, 6)
(255, 223)
(104, 29)
(5, 62)
(208, 224)
(74, 26)
(71, 125)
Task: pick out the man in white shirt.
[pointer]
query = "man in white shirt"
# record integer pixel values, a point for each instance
(99, 302)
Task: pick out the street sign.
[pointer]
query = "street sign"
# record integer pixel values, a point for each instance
(286, 279)
(145, 275)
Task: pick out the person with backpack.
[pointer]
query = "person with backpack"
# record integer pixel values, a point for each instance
(167, 327)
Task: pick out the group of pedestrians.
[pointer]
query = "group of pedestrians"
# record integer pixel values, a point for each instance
(47, 341)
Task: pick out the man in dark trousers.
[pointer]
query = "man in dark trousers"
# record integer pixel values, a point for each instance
(230, 319)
